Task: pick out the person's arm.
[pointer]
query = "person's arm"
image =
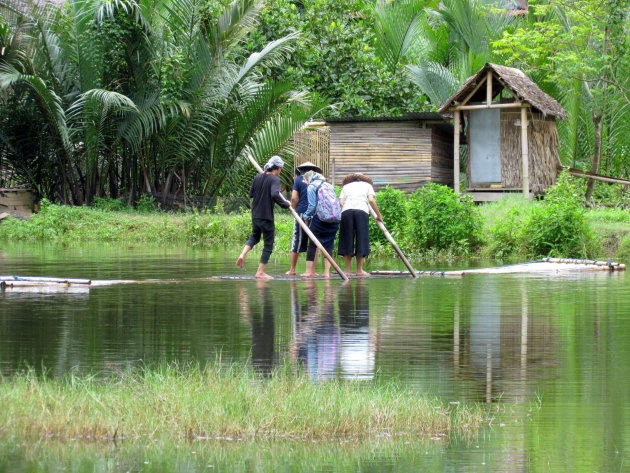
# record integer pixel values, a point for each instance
(275, 194)
(372, 202)
(311, 193)
(295, 198)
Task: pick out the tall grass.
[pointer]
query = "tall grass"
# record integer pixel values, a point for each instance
(219, 403)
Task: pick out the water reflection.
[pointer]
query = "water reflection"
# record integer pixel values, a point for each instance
(331, 330)
(260, 312)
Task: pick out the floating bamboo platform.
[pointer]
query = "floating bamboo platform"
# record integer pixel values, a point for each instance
(543, 266)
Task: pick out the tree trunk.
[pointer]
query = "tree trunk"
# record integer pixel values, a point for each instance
(597, 151)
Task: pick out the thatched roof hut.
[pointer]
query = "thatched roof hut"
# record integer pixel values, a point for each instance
(511, 133)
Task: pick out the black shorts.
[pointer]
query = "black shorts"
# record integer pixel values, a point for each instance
(354, 233)
(299, 242)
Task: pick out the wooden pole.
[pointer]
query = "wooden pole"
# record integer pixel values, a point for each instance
(489, 88)
(305, 228)
(397, 249)
(456, 127)
(524, 153)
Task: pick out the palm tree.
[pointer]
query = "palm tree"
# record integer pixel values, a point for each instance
(441, 44)
(151, 95)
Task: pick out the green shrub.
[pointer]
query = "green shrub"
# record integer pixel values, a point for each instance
(506, 234)
(393, 206)
(147, 204)
(624, 249)
(558, 227)
(441, 219)
(111, 205)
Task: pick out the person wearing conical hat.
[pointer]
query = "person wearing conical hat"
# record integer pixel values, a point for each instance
(265, 193)
(299, 201)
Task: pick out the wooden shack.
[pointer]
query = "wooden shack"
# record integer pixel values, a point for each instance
(510, 126)
(402, 152)
(16, 201)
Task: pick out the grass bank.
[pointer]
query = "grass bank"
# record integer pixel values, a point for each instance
(221, 403)
(608, 230)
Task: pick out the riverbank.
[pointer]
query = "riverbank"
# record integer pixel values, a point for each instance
(219, 403)
(609, 230)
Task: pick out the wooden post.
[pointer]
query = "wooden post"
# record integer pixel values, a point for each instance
(524, 153)
(489, 88)
(305, 228)
(456, 127)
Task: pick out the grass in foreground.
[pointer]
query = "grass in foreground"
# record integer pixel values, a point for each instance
(220, 403)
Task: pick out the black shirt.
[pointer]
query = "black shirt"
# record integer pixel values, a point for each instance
(265, 191)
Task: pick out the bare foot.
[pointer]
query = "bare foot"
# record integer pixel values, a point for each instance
(326, 275)
(240, 261)
(262, 276)
(363, 274)
(309, 275)
(290, 272)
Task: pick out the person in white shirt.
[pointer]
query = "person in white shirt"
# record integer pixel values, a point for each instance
(357, 196)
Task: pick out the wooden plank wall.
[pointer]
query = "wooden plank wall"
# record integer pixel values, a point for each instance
(442, 157)
(390, 152)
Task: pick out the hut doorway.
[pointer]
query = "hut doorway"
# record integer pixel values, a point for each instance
(484, 147)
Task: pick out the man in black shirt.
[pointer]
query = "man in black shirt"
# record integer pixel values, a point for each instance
(265, 192)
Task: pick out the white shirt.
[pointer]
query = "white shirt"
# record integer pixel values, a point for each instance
(355, 196)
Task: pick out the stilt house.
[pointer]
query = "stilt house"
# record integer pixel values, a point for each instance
(402, 152)
(511, 134)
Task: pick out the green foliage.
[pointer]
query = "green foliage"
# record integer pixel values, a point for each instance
(506, 234)
(578, 51)
(612, 194)
(336, 57)
(62, 223)
(393, 206)
(122, 98)
(109, 204)
(441, 219)
(556, 226)
(624, 248)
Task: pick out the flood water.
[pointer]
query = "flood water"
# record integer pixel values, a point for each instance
(548, 356)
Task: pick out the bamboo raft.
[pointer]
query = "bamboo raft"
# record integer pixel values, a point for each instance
(543, 266)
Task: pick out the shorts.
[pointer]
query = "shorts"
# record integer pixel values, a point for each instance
(299, 242)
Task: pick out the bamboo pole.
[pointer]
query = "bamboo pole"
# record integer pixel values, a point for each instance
(524, 153)
(305, 227)
(456, 127)
(391, 240)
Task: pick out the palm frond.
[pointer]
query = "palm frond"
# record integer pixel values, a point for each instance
(49, 101)
(434, 80)
(398, 27)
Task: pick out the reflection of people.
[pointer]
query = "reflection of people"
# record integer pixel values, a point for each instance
(316, 336)
(357, 352)
(265, 192)
(356, 197)
(261, 318)
(325, 232)
(299, 201)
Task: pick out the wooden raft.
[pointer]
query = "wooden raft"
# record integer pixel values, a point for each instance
(543, 266)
